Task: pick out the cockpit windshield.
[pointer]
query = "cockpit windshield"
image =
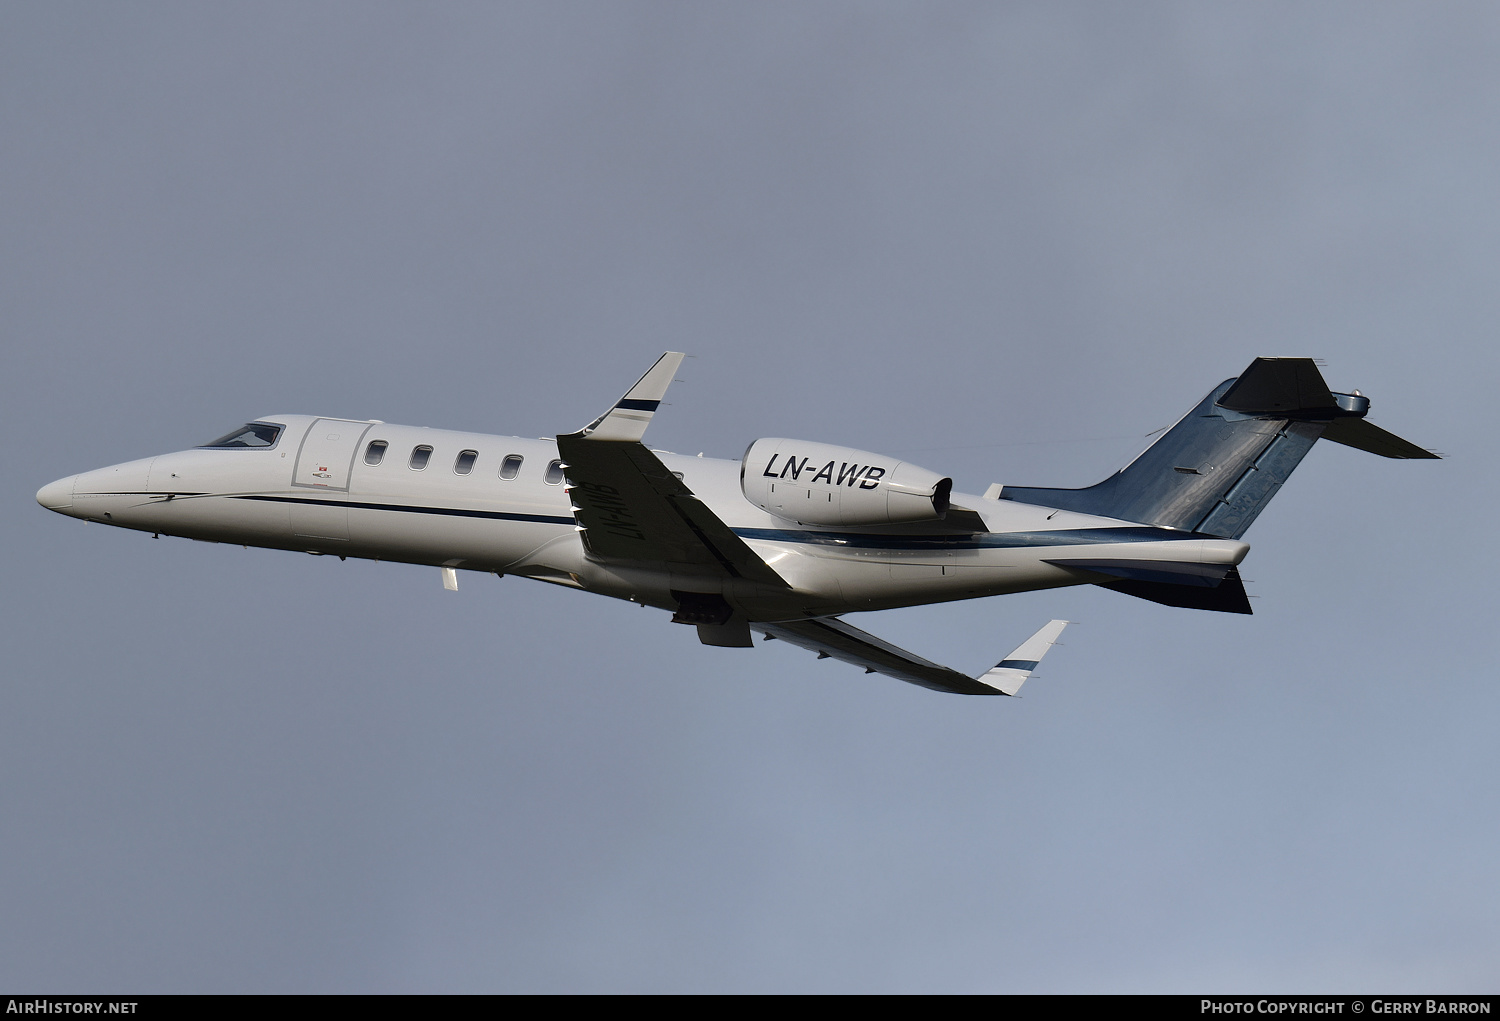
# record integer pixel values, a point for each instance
(256, 434)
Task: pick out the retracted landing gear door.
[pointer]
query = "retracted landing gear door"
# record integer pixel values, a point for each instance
(327, 454)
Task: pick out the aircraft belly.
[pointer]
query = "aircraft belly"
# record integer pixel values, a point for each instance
(900, 583)
(319, 521)
(814, 580)
(231, 520)
(422, 537)
(884, 578)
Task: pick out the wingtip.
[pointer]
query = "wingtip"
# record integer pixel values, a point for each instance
(1010, 673)
(632, 413)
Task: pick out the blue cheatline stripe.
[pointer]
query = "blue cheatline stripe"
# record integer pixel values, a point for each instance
(547, 519)
(970, 540)
(634, 405)
(847, 540)
(1017, 664)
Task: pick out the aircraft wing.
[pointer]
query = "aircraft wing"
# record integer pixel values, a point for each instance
(834, 638)
(631, 508)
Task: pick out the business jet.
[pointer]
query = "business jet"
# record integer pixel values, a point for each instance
(781, 542)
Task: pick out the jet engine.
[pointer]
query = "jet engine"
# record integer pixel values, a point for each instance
(820, 484)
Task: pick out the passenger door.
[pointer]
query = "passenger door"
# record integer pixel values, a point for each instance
(323, 465)
(327, 454)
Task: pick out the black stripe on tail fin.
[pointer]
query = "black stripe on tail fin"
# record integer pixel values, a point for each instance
(1217, 468)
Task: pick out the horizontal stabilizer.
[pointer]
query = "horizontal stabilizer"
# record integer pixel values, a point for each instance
(833, 638)
(1194, 586)
(1280, 386)
(1366, 436)
(1228, 597)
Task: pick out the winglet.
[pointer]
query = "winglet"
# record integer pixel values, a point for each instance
(1010, 673)
(626, 422)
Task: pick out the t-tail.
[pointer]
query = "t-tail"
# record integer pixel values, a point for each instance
(1215, 470)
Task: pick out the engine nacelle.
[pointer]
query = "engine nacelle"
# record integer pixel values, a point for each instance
(820, 484)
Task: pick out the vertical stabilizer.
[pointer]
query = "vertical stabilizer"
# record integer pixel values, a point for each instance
(1216, 469)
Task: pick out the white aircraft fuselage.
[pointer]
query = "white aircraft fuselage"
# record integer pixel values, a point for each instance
(782, 541)
(477, 521)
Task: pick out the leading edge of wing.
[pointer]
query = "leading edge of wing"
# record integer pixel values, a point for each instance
(838, 639)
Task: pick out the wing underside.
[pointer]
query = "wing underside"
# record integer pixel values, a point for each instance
(836, 639)
(632, 510)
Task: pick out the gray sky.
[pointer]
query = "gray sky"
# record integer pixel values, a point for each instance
(1004, 240)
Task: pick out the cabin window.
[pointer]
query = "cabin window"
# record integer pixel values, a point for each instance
(419, 457)
(375, 451)
(554, 473)
(256, 434)
(510, 466)
(465, 462)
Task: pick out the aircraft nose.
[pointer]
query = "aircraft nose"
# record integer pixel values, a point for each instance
(57, 496)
